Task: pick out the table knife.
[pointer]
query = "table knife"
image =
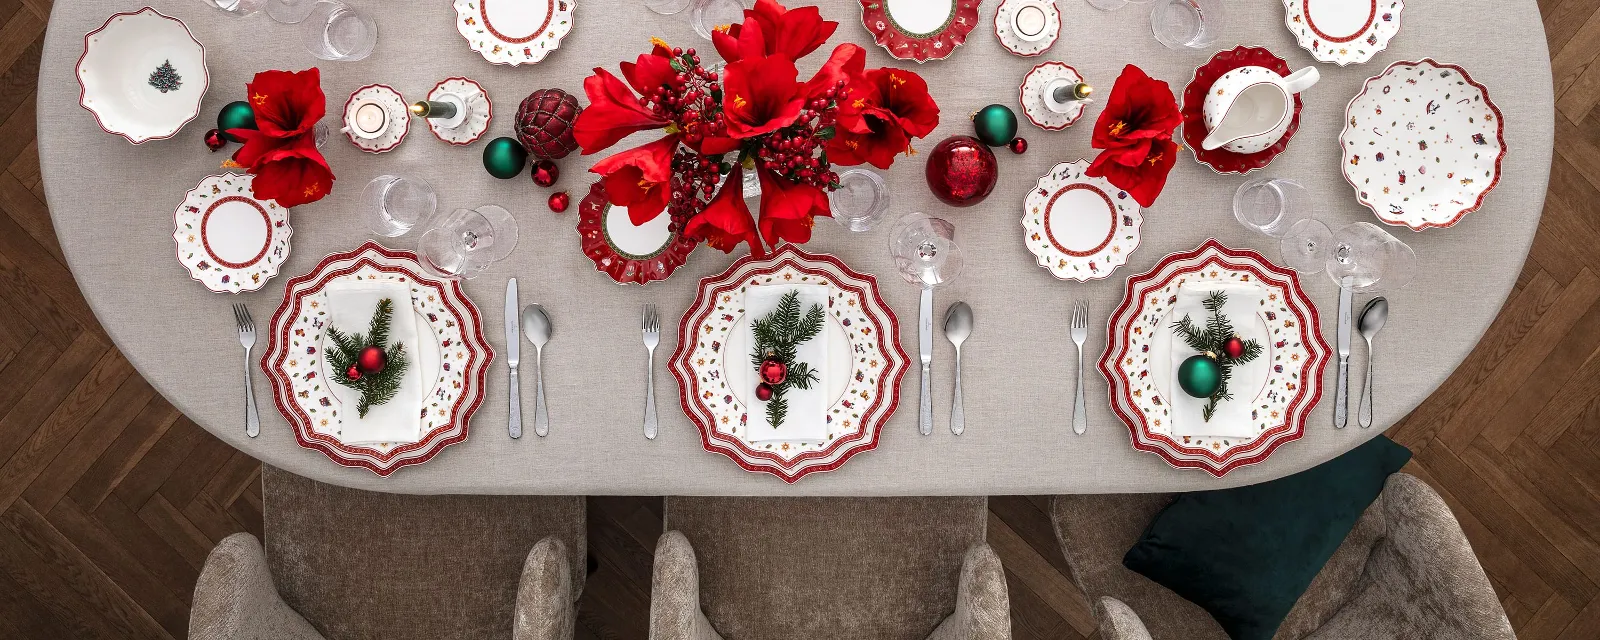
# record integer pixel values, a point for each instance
(925, 347)
(513, 350)
(1341, 399)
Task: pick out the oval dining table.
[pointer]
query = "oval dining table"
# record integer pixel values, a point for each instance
(112, 203)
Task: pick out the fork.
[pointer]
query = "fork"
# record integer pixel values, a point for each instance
(1080, 332)
(247, 339)
(652, 337)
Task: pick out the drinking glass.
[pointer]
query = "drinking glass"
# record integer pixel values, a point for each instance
(925, 250)
(860, 201)
(289, 11)
(667, 7)
(395, 204)
(1187, 24)
(1281, 209)
(710, 14)
(464, 242)
(1375, 260)
(1111, 5)
(336, 31)
(237, 8)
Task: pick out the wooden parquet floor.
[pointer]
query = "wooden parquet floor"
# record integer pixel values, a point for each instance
(110, 499)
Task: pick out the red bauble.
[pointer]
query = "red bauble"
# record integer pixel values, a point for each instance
(214, 140)
(763, 392)
(1234, 347)
(559, 201)
(1018, 145)
(372, 359)
(544, 123)
(545, 173)
(962, 171)
(354, 373)
(773, 372)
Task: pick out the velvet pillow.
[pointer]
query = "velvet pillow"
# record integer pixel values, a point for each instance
(1245, 555)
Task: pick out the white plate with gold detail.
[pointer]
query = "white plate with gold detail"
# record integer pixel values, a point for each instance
(1343, 32)
(375, 118)
(142, 75)
(473, 115)
(514, 31)
(1080, 228)
(1027, 27)
(227, 239)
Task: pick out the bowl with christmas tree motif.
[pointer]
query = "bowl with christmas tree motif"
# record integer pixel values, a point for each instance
(142, 75)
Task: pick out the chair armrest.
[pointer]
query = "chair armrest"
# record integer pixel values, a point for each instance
(1118, 621)
(983, 607)
(675, 612)
(235, 598)
(544, 594)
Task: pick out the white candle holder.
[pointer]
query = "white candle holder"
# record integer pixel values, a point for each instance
(375, 118)
(457, 110)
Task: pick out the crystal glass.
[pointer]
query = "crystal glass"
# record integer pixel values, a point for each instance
(395, 204)
(1306, 245)
(236, 7)
(667, 7)
(464, 242)
(860, 201)
(710, 14)
(1375, 260)
(925, 250)
(289, 11)
(1187, 24)
(336, 31)
(1281, 209)
(1111, 5)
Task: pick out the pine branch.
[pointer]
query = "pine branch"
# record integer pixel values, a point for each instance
(777, 409)
(1196, 339)
(811, 325)
(378, 332)
(801, 375)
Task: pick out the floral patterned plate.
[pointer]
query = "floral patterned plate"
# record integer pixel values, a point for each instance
(389, 132)
(627, 252)
(1423, 144)
(1138, 374)
(455, 362)
(477, 108)
(1343, 32)
(919, 30)
(1027, 27)
(872, 366)
(1033, 96)
(230, 241)
(1080, 228)
(1224, 161)
(514, 31)
(142, 75)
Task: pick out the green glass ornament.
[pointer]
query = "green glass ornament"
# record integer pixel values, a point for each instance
(504, 158)
(1200, 376)
(235, 115)
(996, 125)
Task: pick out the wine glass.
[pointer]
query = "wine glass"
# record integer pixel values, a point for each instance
(925, 250)
(1280, 208)
(337, 32)
(464, 242)
(860, 201)
(1373, 259)
(237, 8)
(289, 11)
(667, 7)
(1187, 24)
(395, 204)
(1111, 5)
(710, 14)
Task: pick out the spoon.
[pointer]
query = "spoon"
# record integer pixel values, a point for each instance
(957, 326)
(536, 325)
(1372, 319)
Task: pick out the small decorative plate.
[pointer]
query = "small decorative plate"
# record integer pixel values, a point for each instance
(1224, 161)
(1423, 144)
(1343, 31)
(1027, 27)
(1033, 96)
(627, 252)
(514, 31)
(479, 111)
(390, 131)
(1080, 228)
(230, 241)
(919, 30)
(142, 75)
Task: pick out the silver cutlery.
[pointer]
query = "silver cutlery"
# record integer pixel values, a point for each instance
(1373, 317)
(1341, 399)
(513, 353)
(652, 337)
(1080, 333)
(247, 339)
(538, 328)
(925, 350)
(957, 326)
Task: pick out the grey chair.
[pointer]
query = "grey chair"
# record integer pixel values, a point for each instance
(809, 568)
(1404, 571)
(344, 564)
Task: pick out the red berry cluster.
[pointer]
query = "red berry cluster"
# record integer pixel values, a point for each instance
(694, 179)
(692, 100)
(796, 152)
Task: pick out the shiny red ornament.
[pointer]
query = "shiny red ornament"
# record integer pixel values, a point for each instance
(372, 359)
(354, 373)
(773, 371)
(545, 173)
(1018, 145)
(763, 392)
(962, 171)
(559, 201)
(214, 140)
(1234, 347)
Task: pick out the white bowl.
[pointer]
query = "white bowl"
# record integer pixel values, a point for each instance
(118, 74)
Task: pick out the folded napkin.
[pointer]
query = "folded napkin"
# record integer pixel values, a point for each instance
(351, 303)
(808, 408)
(1232, 418)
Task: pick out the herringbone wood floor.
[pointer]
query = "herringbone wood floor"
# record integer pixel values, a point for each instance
(110, 500)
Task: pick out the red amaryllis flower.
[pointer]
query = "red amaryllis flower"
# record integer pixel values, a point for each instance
(879, 113)
(1135, 129)
(761, 95)
(287, 103)
(845, 63)
(640, 178)
(771, 29)
(650, 71)
(1144, 179)
(726, 222)
(788, 209)
(288, 170)
(613, 113)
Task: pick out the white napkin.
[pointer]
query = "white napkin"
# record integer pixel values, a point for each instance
(1232, 418)
(808, 408)
(351, 303)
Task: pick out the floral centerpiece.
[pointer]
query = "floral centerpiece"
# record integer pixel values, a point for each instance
(1135, 131)
(754, 114)
(281, 152)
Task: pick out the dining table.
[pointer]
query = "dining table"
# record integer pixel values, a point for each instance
(112, 204)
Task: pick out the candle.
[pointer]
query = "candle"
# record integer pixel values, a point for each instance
(371, 118)
(1030, 21)
(1071, 92)
(431, 109)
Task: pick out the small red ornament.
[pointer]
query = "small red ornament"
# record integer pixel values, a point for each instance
(372, 359)
(1018, 145)
(763, 392)
(354, 373)
(545, 173)
(559, 201)
(214, 140)
(962, 171)
(1234, 347)
(773, 371)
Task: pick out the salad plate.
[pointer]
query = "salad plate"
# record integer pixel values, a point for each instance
(1035, 96)
(375, 118)
(626, 252)
(1027, 27)
(919, 30)
(227, 239)
(473, 108)
(1422, 144)
(142, 75)
(1343, 32)
(1222, 160)
(1080, 228)
(514, 32)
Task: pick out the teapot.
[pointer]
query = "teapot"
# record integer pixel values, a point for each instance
(1249, 109)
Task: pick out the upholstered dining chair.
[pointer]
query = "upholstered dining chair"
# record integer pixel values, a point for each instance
(345, 564)
(1404, 571)
(809, 568)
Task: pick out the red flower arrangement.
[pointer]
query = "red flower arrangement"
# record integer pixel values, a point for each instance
(1135, 130)
(755, 115)
(282, 151)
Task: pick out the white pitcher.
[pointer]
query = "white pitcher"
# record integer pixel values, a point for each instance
(1249, 109)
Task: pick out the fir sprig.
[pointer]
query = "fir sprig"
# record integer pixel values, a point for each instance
(377, 387)
(1210, 341)
(778, 337)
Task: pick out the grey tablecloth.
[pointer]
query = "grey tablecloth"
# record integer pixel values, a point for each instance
(112, 204)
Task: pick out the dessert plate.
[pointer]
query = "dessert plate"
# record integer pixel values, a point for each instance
(627, 252)
(514, 31)
(1224, 161)
(1422, 144)
(473, 102)
(919, 30)
(1027, 27)
(1343, 32)
(372, 134)
(142, 75)
(230, 241)
(1080, 228)
(1034, 96)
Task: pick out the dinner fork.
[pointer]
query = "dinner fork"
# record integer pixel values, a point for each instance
(247, 338)
(1080, 332)
(652, 337)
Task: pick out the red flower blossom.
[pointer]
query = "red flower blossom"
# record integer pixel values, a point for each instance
(640, 178)
(650, 71)
(771, 29)
(788, 209)
(1135, 130)
(726, 222)
(613, 113)
(1143, 180)
(288, 170)
(761, 95)
(879, 113)
(845, 63)
(287, 103)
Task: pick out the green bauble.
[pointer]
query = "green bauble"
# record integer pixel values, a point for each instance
(504, 158)
(1200, 376)
(235, 115)
(996, 125)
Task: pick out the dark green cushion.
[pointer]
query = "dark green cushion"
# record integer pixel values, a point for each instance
(1245, 555)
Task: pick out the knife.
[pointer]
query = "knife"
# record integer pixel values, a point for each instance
(925, 345)
(1341, 398)
(513, 350)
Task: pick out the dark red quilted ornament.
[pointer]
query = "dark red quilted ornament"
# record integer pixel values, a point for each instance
(544, 123)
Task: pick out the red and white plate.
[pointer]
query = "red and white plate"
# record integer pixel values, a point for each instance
(1027, 27)
(1035, 92)
(863, 375)
(1080, 228)
(376, 134)
(625, 251)
(919, 30)
(1139, 376)
(454, 362)
(514, 31)
(1343, 31)
(230, 241)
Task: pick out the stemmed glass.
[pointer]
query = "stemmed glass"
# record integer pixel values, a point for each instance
(926, 254)
(1110, 5)
(1191, 24)
(336, 31)
(1373, 259)
(1281, 209)
(667, 7)
(464, 242)
(395, 204)
(237, 8)
(289, 11)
